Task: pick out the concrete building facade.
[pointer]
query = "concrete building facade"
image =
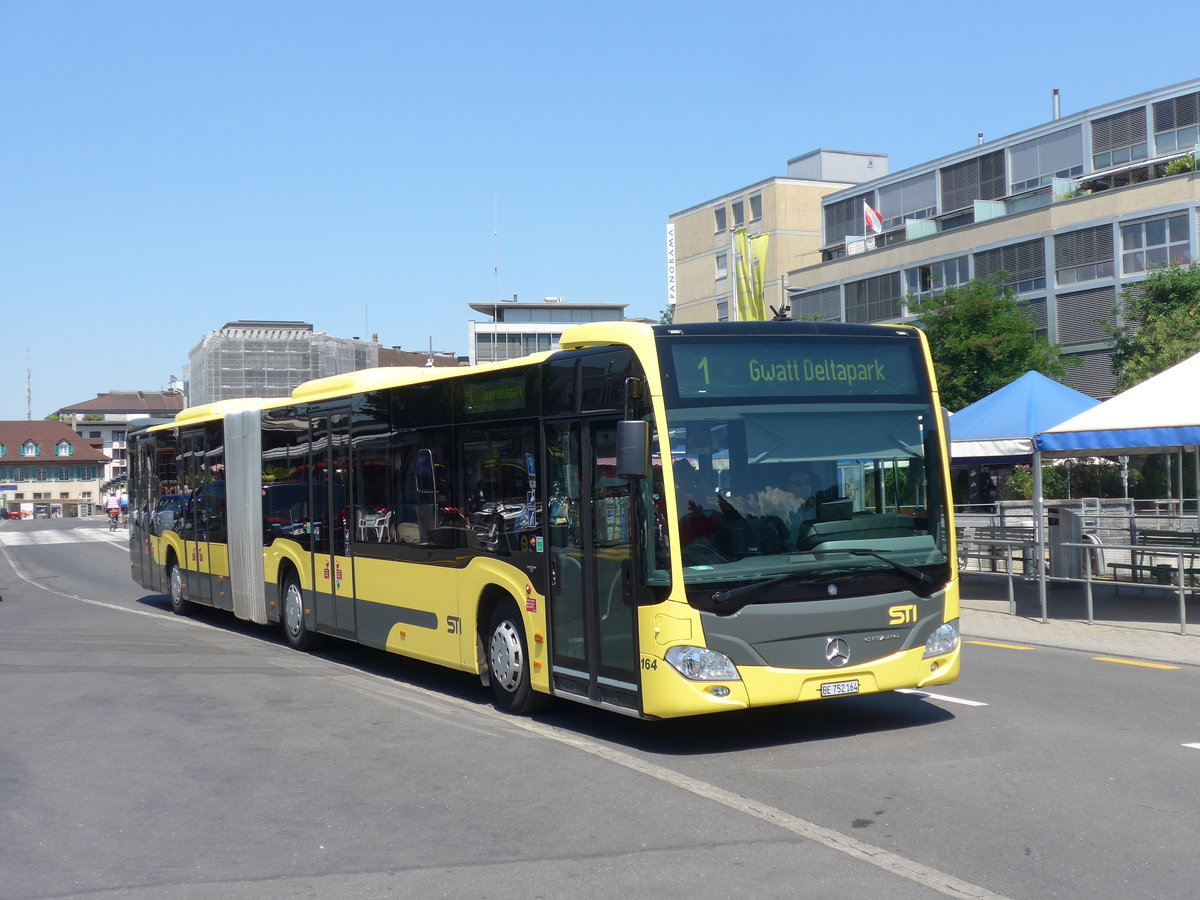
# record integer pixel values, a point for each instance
(1069, 214)
(788, 210)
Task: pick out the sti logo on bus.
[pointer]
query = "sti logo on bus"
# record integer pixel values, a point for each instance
(902, 615)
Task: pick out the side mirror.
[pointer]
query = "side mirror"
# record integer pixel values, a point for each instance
(633, 448)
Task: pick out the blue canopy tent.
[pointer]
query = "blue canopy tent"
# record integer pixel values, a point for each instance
(999, 429)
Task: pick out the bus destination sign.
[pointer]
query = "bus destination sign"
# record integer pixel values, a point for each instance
(792, 369)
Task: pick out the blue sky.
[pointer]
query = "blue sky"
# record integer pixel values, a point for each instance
(169, 167)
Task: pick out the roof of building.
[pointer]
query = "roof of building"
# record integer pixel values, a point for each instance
(46, 435)
(1058, 123)
(140, 402)
(547, 303)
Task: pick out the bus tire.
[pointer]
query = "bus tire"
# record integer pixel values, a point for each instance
(180, 604)
(295, 631)
(508, 663)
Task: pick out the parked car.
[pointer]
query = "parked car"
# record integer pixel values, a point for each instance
(168, 510)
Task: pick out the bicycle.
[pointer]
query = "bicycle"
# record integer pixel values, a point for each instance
(114, 517)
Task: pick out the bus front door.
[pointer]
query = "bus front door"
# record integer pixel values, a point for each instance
(333, 572)
(593, 620)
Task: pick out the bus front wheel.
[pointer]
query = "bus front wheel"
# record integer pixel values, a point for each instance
(508, 663)
(294, 628)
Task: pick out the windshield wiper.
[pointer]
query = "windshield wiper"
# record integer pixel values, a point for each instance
(921, 578)
(726, 600)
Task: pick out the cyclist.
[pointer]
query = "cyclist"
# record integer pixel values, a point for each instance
(112, 506)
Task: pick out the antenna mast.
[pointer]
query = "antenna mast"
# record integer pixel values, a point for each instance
(496, 247)
(28, 387)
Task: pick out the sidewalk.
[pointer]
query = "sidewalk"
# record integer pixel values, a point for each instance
(1133, 624)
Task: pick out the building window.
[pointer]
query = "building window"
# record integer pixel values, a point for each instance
(1036, 163)
(722, 266)
(29, 448)
(1082, 316)
(845, 217)
(756, 207)
(1119, 138)
(913, 198)
(873, 299)
(719, 218)
(93, 435)
(981, 178)
(1154, 244)
(1084, 255)
(64, 474)
(824, 305)
(928, 280)
(739, 213)
(1177, 123)
(723, 310)
(3, 450)
(63, 448)
(1023, 266)
(1035, 310)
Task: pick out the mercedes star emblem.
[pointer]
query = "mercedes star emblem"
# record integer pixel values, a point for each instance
(837, 651)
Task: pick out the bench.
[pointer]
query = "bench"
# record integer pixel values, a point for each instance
(973, 543)
(1145, 562)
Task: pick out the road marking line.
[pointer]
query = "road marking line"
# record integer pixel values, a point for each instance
(1193, 746)
(1133, 662)
(1001, 646)
(942, 882)
(928, 696)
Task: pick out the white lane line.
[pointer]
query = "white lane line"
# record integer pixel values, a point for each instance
(928, 696)
(934, 879)
(1192, 746)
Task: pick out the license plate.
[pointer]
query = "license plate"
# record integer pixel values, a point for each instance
(839, 688)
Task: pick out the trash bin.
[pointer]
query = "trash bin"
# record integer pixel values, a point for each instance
(1065, 526)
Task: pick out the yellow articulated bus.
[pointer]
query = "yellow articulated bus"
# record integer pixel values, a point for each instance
(660, 520)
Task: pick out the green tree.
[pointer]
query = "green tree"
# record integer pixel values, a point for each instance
(1168, 305)
(666, 315)
(982, 338)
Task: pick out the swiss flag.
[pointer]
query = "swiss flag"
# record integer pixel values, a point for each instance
(871, 219)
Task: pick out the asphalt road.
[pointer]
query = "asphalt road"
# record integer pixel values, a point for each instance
(146, 755)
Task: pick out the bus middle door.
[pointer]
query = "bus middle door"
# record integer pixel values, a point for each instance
(333, 571)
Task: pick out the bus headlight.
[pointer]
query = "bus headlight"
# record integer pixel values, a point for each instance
(702, 664)
(944, 640)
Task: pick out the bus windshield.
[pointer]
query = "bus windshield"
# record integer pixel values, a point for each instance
(805, 480)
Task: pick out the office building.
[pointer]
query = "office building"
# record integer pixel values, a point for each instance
(1069, 213)
(518, 328)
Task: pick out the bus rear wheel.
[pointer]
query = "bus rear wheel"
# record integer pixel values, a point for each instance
(508, 663)
(294, 628)
(180, 605)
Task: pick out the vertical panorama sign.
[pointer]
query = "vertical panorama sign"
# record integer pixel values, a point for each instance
(670, 265)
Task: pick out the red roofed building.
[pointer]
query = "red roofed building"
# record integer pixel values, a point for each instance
(46, 469)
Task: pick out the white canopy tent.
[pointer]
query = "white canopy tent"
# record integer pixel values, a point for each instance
(1160, 415)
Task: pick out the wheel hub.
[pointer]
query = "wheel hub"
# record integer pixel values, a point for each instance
(505, 656)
